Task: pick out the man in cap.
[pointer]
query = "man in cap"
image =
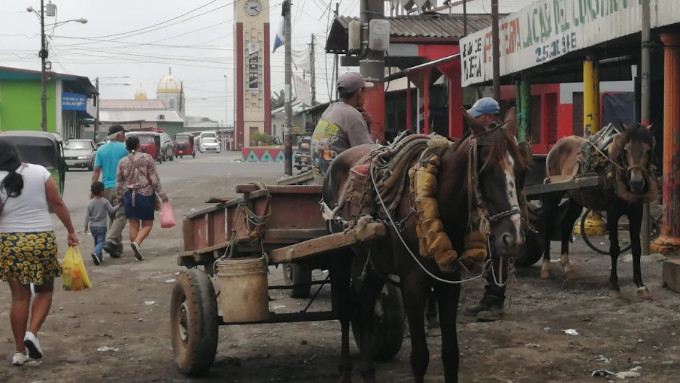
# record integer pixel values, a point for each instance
(344, 123)
(106, 164)
(490, 307)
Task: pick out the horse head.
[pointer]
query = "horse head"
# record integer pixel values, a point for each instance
(497, 168)
(633, 151)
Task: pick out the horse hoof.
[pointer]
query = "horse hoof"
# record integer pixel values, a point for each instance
(643, 292)
(545, 274)
(570, 275)
(614, 294)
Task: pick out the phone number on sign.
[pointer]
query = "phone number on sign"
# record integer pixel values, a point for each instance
(557, 47)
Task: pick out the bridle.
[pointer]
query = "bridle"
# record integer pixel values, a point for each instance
(474, 189)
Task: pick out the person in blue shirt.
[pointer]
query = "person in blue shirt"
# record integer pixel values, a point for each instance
(106, 164)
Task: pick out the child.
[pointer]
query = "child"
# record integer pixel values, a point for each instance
(96, 215)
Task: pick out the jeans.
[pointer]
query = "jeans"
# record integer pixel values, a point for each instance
(99, 235)
(118, 221)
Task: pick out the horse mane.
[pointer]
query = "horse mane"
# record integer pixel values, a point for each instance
(502, 143)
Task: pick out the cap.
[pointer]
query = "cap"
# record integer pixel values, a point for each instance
(485, 105)
(351, 82)
(114, 130)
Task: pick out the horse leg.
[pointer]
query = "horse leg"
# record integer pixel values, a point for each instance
(549, 204)
(635, 219)
(573, 212)
(431, 311)
(614, 251)
(447, 298)
(370, 289)
(414, 291)
(342, 303)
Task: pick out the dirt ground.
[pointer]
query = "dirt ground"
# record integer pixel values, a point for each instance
(118, 331)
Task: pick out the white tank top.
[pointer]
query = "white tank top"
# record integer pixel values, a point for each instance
(27, 212)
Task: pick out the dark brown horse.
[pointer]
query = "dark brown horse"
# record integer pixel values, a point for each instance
(626, 181)
(499, 165)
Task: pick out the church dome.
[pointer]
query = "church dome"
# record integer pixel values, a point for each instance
(169, 84)
(140, 94)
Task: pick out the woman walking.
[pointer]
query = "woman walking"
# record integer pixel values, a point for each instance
(28, 248)
(137, 183)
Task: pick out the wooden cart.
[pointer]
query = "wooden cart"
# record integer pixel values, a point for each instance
(285, 224)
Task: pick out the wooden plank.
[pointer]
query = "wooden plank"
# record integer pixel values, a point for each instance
(328, 242)
(294, 234)
(579, 182)
(297, 179)
(282, 189)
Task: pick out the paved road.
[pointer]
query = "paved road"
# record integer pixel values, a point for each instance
(180, 171)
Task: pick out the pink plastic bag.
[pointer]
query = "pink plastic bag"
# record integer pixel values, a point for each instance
(167, 216)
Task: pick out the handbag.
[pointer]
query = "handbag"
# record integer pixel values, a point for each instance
(167, 215)
(74, 276)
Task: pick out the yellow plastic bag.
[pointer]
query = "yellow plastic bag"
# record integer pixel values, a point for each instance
(74, 276)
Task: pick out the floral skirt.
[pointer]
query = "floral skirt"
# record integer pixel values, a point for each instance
(29, 257)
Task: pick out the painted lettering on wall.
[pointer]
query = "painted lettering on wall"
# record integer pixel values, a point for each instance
(546, 30)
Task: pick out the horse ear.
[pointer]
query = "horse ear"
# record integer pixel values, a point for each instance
(475, 126)
(511, 123)
(651, 128)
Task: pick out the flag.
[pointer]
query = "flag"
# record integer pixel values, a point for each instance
(279, 38)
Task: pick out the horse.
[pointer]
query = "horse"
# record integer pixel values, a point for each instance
(626, 181)
(483, 174)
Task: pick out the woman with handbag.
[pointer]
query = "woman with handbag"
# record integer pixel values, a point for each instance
(137, 184)
(28, 247)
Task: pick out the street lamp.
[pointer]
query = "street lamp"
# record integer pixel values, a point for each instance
(50, 9)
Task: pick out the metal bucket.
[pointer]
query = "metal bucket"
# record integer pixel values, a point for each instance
(243, 289)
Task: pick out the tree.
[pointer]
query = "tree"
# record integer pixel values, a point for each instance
(278, 99)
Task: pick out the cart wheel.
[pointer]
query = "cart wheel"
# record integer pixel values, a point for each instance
(600, 243)
(295, 274)
(193, 318)
(388, 322)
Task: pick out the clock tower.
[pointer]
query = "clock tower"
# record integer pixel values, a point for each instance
(251, 72)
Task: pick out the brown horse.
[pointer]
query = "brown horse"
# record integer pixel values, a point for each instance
(499, 165)
(626, 181)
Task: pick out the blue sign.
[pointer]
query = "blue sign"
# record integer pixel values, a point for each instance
(73, 101)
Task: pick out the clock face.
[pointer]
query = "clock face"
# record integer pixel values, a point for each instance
(252, 7)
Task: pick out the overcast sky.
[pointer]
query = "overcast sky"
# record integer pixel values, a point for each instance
(143, 38)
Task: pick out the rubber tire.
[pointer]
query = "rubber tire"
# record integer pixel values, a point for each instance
(172, 157)
(90, 167)
(193, 154)
(194, 294)
(603, 217)
(295, 274)
(390, 328)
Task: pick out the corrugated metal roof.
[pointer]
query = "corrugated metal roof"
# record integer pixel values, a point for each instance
(132, 104)
(427, 28)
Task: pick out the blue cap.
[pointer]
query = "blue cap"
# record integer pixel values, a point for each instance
(485, 105)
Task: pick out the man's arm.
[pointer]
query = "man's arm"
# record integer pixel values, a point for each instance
(95, 174)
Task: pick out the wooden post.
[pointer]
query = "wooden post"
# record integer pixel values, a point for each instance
(669, 241)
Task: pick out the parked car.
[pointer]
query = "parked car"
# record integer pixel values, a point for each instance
(209, 143)
(167, 147)
(79, 153)
(40, 148)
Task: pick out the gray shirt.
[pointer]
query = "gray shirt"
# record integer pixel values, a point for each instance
(97, 212)
(341, 127)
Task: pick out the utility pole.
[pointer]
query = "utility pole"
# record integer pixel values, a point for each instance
(335, 61)
(288, 124)
(312, 82)
(96, 116)
(43, 66)
(644, 106)
(496, 51)
(372, 67)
